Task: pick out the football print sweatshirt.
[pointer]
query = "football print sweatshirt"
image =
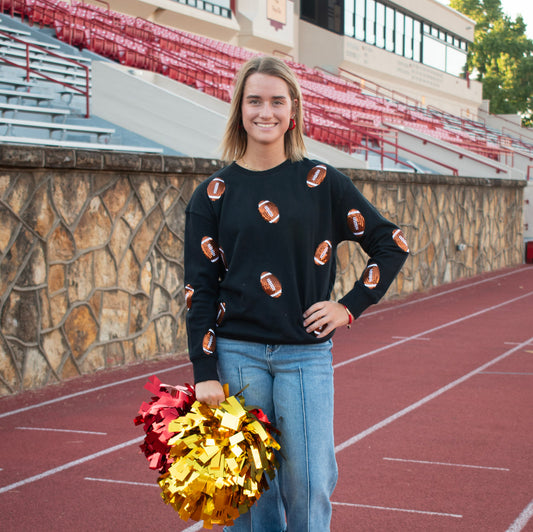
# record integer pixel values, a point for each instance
(260, 249)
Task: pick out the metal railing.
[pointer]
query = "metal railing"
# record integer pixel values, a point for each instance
(28, 68)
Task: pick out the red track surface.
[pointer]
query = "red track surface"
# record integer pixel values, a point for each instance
(434, 426)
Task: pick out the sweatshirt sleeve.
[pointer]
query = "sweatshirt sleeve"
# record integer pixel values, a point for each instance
(202, 269)
(384, 243)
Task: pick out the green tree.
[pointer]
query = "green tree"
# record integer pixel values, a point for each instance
(501, 57)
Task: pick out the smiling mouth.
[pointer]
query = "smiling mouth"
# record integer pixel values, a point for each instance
(265, 126)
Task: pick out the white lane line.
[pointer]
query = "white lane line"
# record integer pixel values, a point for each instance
(64, 430)
(69, 465)
(403, 337)
(514, 343)
(90, 390)
(505, 373)
(522, 520)
(424, 400)
(393, 509)
(445, 292)
(130, 483)
(446, 464)
(433, 329)
(194, 528)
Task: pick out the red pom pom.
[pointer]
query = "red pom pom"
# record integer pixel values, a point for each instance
(168, 403)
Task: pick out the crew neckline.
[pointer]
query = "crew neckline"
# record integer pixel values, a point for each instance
(247, 171)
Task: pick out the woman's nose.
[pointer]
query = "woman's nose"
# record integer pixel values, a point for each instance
(266, 109)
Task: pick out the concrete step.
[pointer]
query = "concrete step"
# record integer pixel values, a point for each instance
(78, 145)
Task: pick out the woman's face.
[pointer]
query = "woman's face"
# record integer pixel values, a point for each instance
(266, 110)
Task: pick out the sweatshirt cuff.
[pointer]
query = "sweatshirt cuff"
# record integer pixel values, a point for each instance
(358, 300)
(205, 369)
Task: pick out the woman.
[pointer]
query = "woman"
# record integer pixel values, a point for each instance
(260, 244)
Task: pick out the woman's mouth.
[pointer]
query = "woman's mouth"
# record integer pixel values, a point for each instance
(264, 125)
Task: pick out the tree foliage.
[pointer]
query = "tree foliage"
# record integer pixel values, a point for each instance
(501, 57)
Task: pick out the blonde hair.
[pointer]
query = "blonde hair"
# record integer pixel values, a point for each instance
(234, 141)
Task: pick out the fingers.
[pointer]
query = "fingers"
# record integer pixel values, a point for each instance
(210, 393)
(315, 312)
(315, 318)
(314, 308)
(324, 317)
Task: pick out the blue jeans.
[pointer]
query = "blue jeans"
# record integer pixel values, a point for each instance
(293, 385)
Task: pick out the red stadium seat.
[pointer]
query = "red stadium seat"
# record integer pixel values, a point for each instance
(340, 111)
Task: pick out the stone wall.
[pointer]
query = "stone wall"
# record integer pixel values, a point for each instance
(438, 214)
(91, 244)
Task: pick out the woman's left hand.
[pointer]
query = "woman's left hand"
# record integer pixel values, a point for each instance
(326, 314)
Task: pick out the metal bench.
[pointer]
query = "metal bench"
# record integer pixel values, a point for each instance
(52, 111)
(23, 35)
(77, 81)
(20, 95)
(20, 33)
(78, 145)
(17, 82)
(67, 95)
(11, 123)
(72, 71)
(19, 46)
(37, 56)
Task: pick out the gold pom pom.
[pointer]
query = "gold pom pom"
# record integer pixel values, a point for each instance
(220, 457)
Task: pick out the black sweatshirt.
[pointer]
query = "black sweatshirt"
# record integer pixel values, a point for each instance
(260, 249)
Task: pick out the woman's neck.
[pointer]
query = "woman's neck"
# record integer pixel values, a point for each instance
(261, 160)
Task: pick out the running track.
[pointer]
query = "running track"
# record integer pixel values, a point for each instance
(434, 426)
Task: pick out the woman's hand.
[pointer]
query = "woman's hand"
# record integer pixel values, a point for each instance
(210, 392)
(325, 316)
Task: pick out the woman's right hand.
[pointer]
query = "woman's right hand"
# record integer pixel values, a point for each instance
(210, 392)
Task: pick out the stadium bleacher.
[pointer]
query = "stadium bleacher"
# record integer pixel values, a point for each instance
(45, 94)
(338, 111)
